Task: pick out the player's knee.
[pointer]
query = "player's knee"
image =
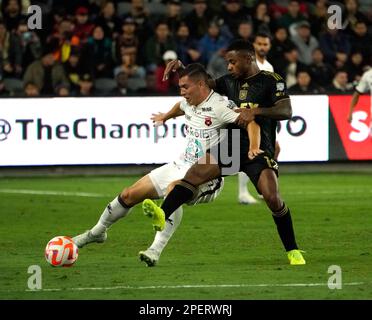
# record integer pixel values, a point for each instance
(273, 201)
(195, 176)
(128, 197)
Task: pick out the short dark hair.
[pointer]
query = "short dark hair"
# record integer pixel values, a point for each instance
(262, 34)
(195, 71)
(241, 45)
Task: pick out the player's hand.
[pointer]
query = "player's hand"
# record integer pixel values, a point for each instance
(158, 118)
(253, 153)
(246, 116)
(172, 66)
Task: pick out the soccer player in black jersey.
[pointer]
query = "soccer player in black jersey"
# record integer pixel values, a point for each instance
(263, 97)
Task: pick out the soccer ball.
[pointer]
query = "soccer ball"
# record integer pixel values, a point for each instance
(61, 251)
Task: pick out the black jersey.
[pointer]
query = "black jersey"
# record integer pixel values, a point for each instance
(261, 90)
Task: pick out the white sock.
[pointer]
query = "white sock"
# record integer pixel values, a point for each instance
(162, 238)
(112, 213)
(243, 180)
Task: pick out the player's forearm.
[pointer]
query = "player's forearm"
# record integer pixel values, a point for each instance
(354, 101)
(174, 112)
(254, 135)
(282, 110)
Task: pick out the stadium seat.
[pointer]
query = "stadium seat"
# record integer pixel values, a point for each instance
(14, 85)
(104, 85)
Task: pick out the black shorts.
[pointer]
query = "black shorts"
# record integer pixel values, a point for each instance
(252, 168)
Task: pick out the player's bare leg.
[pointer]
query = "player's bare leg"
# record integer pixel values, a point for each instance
(268, 185)
(118, 208)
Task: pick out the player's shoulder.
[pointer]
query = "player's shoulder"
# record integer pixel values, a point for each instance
(273, 76)
(368, 74)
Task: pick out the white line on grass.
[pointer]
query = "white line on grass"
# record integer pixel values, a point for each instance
(100, 195)
(54, 193)
(199, 286)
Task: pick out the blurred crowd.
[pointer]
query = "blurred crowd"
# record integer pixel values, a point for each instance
(120, 48)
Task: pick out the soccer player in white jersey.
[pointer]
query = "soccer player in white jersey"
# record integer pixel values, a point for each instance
(262, 46)
(364, 85)
(206, 112)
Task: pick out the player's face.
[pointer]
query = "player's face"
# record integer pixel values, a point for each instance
(190, 90)
(262, 46)
(238, 64)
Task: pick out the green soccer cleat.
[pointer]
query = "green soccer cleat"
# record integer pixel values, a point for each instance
(151, 210)
(295, 257)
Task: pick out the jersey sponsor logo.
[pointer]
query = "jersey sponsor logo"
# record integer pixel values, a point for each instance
(253, 105)
(209, 109)
(208, 121)
(245, 86)
(199, 133)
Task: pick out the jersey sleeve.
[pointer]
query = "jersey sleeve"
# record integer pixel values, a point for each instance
(362, 86)
(277, 88)
(224, 113)
(183, 105)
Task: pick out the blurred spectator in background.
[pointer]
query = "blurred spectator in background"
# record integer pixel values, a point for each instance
(30, 44)
(352, 15)
(293, 15)
(318, 17)
(290, 67)
(73, 68)
(321, 72)
(86, 86)
(217, 65)
(62, 90)
(279, 45)
(108, 20)
(173, 15)
(127, 38)
(187, 47)
(213, 41)
(170, 86)
(10, 53)
(198, 19)
(63, 40)
(335, 47)
(31, 90)
(261, 19)
(141, 16)
(245, 30)
(150, 89)
(361, 41)
(303, 39)
(122, 89)
(83, 27)
(45, 73)
(233, 12)
(340, 83)
(155, 47)
(12, 13)
(135, 73)
(98, 54)
(304, 84)
(262, 46)
(355, 67)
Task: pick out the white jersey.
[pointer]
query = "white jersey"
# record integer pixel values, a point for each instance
(203, 123)
(266, 66)
(365, 83)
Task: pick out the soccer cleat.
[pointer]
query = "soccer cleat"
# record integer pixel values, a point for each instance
(247, 199)
(149, 256)
(151, 210)
(87, 237)
(295, 257)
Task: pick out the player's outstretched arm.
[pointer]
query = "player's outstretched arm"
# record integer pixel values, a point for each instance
(160, 118)
(353, 103)
(172, 66)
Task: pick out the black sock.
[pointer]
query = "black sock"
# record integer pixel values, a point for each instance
(180, 194)
(284, 225)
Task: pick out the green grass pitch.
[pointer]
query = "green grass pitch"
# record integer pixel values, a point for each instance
(221, 250)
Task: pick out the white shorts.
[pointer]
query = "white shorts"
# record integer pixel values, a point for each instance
(166, 174)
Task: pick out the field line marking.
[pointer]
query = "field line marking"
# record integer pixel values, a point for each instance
(100, 195)
(197, 286)
(54, 193)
